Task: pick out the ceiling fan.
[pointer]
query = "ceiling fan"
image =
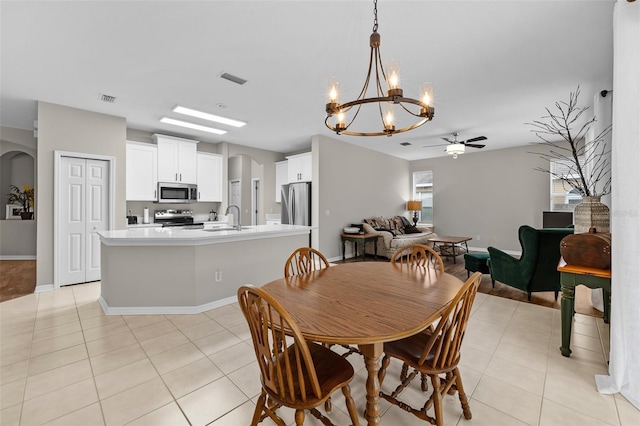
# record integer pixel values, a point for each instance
(456, 147)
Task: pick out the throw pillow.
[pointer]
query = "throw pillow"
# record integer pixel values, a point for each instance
(397, 226)
(406, 222)
(383, 223)
(411, 230)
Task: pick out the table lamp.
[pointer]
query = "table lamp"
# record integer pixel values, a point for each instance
(415, 207)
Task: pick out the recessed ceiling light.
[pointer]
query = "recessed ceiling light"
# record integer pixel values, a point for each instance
(181, 123)
(206, 116)
(233, 78)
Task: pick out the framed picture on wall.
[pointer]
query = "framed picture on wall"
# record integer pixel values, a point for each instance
(13, 211)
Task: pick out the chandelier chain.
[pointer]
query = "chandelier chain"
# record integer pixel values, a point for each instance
(375, 16)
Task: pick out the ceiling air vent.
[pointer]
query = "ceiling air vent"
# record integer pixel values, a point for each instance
(107, 98)
(233, 78)
(405, 143)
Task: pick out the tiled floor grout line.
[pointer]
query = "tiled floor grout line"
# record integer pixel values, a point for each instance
(44, 304)
(93, 375)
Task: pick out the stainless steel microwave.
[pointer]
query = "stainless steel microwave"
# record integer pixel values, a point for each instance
(177, 192)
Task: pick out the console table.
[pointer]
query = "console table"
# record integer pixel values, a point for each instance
(360, 239)
(570, 277)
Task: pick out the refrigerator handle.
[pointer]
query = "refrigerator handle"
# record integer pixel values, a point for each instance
(292, 206)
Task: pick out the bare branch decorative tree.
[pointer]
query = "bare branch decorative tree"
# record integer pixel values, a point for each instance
(592, 175)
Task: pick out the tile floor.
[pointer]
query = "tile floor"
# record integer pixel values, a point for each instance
(63, 362)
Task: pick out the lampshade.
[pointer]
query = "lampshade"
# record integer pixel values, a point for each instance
(414, 205)
(455, 149)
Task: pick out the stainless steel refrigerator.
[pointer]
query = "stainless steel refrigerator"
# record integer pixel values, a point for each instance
(296, 204)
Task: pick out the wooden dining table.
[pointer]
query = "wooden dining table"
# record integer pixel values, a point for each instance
(365, 304)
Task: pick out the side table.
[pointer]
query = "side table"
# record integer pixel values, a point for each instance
(570, 277)
(360, 239)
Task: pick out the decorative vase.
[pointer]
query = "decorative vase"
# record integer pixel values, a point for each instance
(26, 215)
(591, 213)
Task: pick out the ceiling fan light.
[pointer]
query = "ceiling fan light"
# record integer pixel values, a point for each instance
(455, 149)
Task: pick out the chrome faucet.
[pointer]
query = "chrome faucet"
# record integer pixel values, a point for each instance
(237, 219)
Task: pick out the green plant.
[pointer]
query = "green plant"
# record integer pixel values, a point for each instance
(23, 196)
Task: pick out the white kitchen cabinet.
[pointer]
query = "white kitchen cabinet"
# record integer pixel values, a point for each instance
(176, 159)
(209, 175)
(282, 177)
(299, 167)
(142, 171)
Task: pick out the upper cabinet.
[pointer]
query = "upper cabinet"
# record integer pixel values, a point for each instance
(142, 171)
(299, 167)
(209, 177)
(282, 177)
(176, 159)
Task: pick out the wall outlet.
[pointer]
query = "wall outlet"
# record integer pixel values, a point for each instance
(218, 275)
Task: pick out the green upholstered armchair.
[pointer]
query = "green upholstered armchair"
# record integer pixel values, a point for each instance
(536, 269)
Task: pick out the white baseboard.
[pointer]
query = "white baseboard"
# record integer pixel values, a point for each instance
(17, 257)
(164, 310)
(44, 287)
(484, 250)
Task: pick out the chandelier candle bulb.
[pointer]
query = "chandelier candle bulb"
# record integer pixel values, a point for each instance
(394, 75)
(426, 94)
(334, 90)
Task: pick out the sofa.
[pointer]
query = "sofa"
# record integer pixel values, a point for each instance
(536, 269)
(395, 233)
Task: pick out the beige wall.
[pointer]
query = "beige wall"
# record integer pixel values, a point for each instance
(488, 193)
(350, 184)
(260, 157)
(68, 129)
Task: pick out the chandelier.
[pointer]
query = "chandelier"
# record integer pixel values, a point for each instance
(385, 102)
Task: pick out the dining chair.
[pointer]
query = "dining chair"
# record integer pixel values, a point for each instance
(303, 260)
(435, 354)
(418, 255)
(298, 374)
(307, 259)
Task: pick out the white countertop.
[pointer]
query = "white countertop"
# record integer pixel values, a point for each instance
(172, 236)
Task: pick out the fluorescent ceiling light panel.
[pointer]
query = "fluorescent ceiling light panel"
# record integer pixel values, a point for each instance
(205, 116)
(181, 123)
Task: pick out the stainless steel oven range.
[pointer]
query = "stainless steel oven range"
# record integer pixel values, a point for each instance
(176, 218)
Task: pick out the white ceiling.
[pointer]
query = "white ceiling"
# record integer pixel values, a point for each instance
(495, 65)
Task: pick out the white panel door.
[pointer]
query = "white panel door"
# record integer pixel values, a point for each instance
(72, 238)
(84, 210)
(97, 212)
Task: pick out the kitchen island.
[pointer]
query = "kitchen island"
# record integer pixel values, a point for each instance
(184, 271)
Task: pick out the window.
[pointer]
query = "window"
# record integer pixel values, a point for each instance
(423, 191)
(564, 197)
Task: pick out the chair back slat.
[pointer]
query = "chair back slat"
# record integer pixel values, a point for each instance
(443, 347)
(304, 260)
(283, 356)
(418, 255)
